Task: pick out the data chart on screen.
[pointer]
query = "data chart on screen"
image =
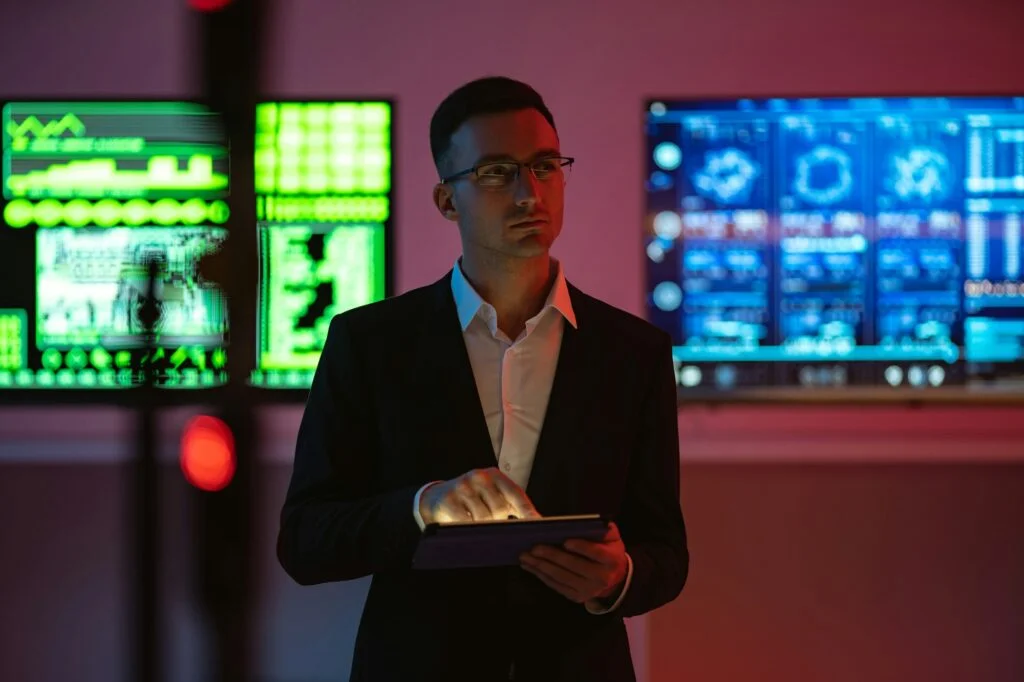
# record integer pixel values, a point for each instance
(836, 242)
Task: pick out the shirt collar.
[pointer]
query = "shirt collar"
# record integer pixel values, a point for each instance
(468, 302)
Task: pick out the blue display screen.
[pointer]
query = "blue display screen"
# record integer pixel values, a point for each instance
(809, 242)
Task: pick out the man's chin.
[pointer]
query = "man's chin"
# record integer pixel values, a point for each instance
(532, 245)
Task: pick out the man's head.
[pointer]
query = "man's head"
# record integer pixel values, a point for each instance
(478, 135)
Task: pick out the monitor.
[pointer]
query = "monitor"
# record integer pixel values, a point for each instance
(323, 205)
(811, 243)
(92, 193)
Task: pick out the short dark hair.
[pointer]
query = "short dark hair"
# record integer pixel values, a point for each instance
(490, 95)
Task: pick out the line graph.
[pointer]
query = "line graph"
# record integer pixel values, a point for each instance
(53, 128)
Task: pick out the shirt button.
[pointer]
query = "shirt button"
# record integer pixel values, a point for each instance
(507, 466)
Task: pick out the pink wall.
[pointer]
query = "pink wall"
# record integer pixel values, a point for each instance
(883, 564)
(848, 573)
(595, 62)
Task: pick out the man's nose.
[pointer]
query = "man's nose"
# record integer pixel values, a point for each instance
(527, 187)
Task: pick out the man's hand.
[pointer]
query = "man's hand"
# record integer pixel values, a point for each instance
(584, 570)
(479, 495)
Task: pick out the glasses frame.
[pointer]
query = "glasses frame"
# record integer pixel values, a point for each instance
(564, 161)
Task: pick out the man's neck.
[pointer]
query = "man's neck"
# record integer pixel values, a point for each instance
(517, 288)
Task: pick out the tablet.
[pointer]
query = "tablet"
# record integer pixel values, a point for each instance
(499, 543)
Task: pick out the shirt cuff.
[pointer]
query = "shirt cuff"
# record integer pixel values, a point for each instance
(597, 607)
(416, 505)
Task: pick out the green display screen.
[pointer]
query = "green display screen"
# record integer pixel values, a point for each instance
(92, 192)
(112, 150)
(323, 183)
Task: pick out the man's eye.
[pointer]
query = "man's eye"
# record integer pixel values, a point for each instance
(503, 170)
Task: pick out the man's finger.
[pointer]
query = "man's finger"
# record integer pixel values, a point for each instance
(521, 504)
(531, 513)
(499, 507)
(567, 591)
(471, 501)
(451, 511)
(565, 566)
(595, 551)
(612, 534)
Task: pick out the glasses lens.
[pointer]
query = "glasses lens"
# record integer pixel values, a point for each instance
(497, 174)
(552, 168)
(545, 168)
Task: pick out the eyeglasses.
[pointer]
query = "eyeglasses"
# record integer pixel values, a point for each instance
(502, 174)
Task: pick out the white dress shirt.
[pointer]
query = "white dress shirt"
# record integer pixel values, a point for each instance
(513, 380)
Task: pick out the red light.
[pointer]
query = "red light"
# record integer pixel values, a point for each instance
(209, 5)
(208, 453)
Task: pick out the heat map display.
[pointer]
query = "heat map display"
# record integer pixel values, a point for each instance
(830, 242)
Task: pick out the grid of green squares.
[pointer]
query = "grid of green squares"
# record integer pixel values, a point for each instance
(323, 148)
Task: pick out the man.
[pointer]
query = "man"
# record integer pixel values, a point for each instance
(500, 389)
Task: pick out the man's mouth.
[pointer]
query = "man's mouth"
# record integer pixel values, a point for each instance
(528, 223)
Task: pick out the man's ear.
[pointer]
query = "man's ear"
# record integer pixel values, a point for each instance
(444, 200)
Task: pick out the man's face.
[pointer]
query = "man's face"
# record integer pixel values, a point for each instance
(518, 221)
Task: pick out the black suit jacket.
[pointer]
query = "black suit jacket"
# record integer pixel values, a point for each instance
(393, 405)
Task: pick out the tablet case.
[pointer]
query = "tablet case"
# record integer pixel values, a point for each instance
(499, 543)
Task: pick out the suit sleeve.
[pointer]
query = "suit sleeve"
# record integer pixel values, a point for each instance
(651, 518)
(334, 525)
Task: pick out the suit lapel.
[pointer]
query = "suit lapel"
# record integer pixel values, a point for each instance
(451, 404)
(557, 452)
